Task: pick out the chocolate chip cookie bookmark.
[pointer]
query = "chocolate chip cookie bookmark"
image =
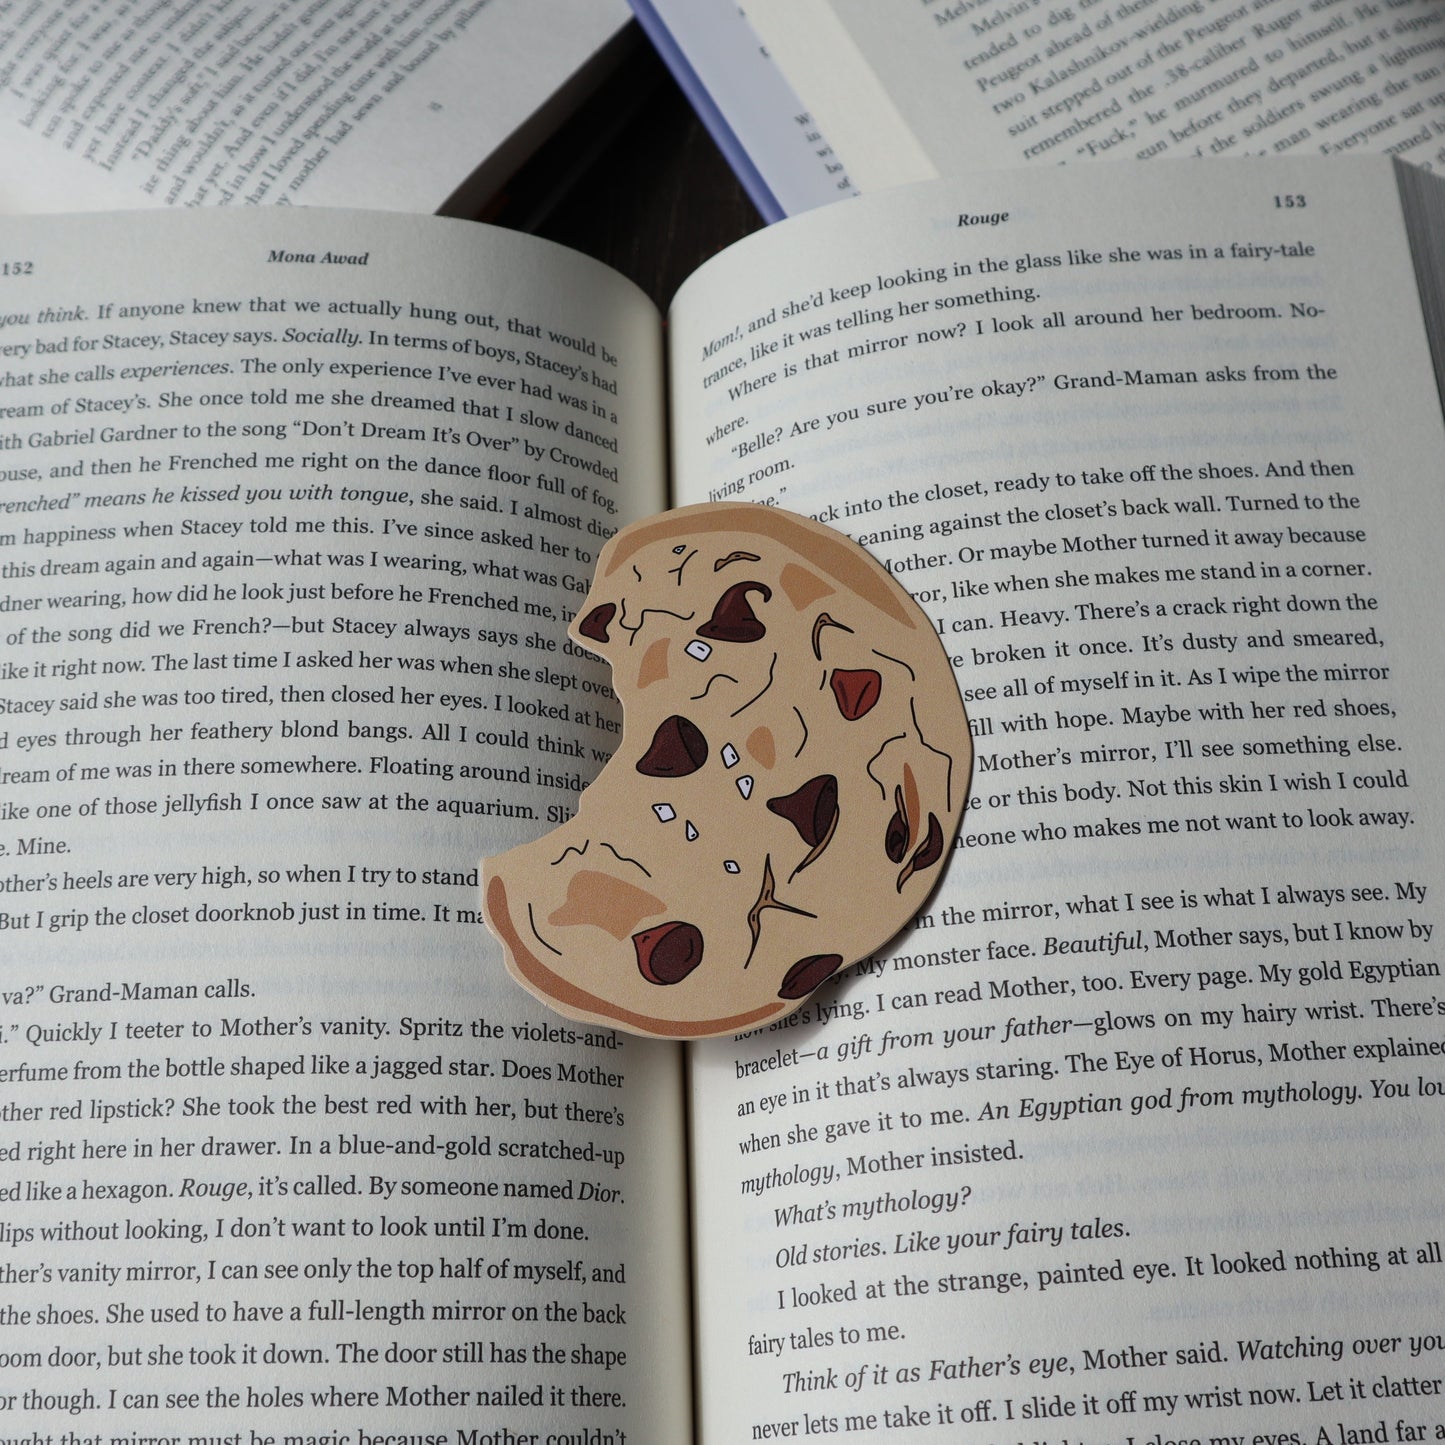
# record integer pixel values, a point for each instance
(793, 768)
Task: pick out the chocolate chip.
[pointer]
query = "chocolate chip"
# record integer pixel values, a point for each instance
(678, 748)
(594, 625)
(812, 809)
(808, 973)
(855, 690)
(926, 854)
(732, 618)
(895, 840)
(931, 849)
(668, 953)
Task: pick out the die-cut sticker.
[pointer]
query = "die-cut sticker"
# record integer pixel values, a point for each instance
(805, 648)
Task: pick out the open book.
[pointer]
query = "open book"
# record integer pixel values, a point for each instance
(1136, 1134)
(910, 89)
(392, 104)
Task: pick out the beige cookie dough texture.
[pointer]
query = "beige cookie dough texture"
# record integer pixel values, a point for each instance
(793, 768)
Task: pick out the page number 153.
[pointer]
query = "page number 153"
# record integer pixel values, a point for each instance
(1289, 203)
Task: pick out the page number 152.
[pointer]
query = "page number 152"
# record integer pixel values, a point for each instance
(1289, 203)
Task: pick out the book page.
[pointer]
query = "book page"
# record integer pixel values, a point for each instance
(1001, 82)
(293, 509)
(391, 105)
(1136, 1134)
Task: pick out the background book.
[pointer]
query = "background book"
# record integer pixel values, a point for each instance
(775, 147)
(907, 91)
(396, 105)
